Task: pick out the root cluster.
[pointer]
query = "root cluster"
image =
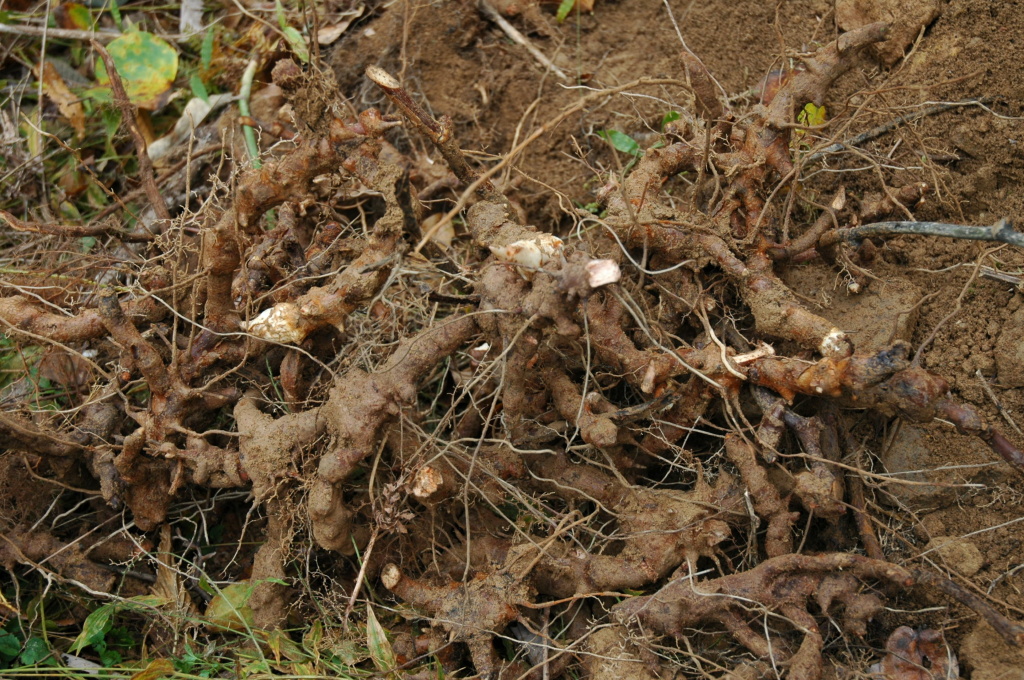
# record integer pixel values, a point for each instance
(517, 429)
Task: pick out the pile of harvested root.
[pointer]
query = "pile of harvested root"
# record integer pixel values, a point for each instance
(581, 445)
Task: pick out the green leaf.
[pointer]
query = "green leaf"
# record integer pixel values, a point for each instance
(669, 117)
(563, 10)
(36, 650)
(147, 65)
(377, 641)
(621, 141)
(10, 645)
(115, 10)
(206, 51)
(199, 89)
(100, 621)
(297, 43)
(110, 658)
(292, 35)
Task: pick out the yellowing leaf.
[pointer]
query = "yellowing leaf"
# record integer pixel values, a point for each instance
(282, 647)
(811, 115)
(74, 16)
(230, 608)
(377, 641)
(147, 65)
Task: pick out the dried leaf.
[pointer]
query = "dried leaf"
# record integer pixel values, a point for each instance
(190, 16)
(168, 583)
(331, 32)
(195, 112)
(80, 664)
(65, 368)
(157, 668)
(69, 105)
(444, 236)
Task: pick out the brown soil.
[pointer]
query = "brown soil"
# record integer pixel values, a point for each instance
(941, 500)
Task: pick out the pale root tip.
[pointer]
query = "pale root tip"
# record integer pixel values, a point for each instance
(835, 344)
(381, 77)
(602, 272)
(390, 576)
(426, 482)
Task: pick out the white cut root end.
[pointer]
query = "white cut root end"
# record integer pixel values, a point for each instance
(602, 272)
(531, 253)
(426, 482)
(647, 385)
(281, 323)
(835, 343)
(382, 77)
(765, 350)
(390, 576)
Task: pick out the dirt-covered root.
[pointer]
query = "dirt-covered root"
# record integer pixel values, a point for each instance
(508, 424)
(611, 655)
(887, 381)
(65, 561)
(359, 406)
(474, 611)
(917, 655)
(781, 585)
(785, 586)
(657, 530)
